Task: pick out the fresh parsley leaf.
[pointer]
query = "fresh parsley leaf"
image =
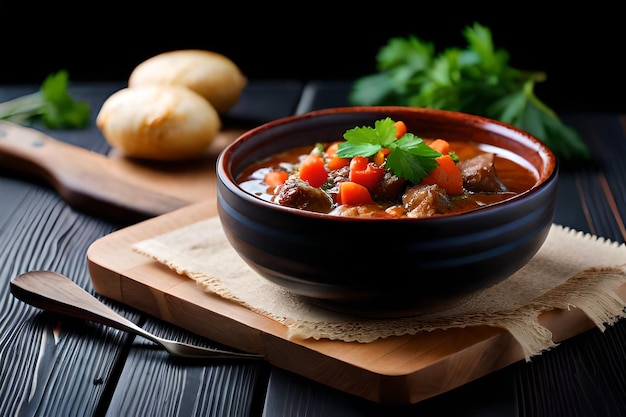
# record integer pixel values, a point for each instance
(476, 80)
(52, 104)
(351, 149)
(525, 110)
(367, 140)
(60, 108)
(409, 158)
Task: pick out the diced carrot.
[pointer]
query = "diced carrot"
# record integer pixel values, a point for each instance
(332, 160)
(353, 194)
(440, 145)
(275, 178)
(313, 170)
(379, 157)
(337, 162)
(366, 173)
(400, 129)
(447, 175)
(332, 149)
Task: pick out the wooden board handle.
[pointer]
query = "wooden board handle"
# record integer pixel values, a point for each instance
(83, 178)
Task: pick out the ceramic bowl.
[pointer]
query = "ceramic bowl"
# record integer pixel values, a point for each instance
(386, 266)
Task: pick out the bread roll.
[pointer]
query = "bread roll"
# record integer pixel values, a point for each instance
(158, 122)
(210, 74)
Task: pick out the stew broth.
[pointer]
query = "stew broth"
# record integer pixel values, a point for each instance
(515, 177)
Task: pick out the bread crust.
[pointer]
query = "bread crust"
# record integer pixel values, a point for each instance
(212, 75)
(159, 122)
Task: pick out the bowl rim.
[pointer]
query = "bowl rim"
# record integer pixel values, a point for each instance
(548, 157)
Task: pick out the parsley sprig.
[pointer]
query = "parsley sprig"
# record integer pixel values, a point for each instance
(476, 80)
(52, 104)
(410, 157)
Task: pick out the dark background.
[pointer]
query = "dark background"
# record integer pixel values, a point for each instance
(581, 51)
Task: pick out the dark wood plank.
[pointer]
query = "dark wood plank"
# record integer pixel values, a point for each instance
(600, 185)
(291, 395)
(42, 352)
(151, 383)
(583, 376)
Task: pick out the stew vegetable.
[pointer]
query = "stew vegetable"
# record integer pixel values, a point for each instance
(385, 171)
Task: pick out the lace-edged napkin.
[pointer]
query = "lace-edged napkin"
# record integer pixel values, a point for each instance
(571, 270)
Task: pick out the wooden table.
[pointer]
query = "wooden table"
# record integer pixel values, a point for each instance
(56, 366)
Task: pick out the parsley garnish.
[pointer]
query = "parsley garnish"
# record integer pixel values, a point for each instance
(52, 104)
(476, 80)
(410, 157)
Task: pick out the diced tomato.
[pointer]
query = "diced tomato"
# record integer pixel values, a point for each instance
(366, 173)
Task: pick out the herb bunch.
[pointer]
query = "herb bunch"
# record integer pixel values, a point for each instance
(52, 104)
(476, 80)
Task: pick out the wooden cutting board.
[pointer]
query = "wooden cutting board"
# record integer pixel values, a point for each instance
(121, 189)
(399, 370)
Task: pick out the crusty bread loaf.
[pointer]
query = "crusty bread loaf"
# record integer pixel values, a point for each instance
(210, 74)
(159, 122)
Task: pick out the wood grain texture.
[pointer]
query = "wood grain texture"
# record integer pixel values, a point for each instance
(119, 188)
(396, 370)
(39, 350)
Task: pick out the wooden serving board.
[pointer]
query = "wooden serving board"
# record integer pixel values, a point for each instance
(399, 370)
(192, 181)
(122, 189)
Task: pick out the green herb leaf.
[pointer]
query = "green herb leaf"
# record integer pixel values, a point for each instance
(367, 140)
(410, 157)
(52, 104)
(477, 80)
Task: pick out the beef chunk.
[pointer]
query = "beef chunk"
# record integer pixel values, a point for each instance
(479, 174)
(299, 194)
(425, 200)
(390, 188)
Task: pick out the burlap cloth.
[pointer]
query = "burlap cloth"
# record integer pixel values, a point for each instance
(571, 270)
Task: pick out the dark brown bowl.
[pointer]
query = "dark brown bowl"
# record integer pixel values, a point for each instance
(385, 266)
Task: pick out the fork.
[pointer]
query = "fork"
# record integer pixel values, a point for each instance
(57, 293)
